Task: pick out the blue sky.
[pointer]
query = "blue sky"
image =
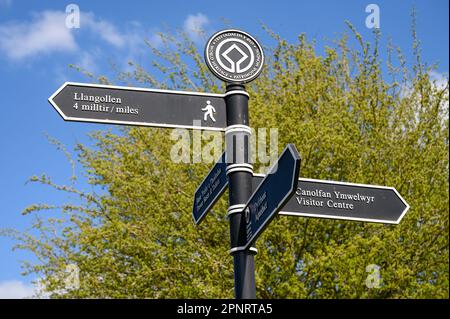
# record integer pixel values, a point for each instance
(36, 48)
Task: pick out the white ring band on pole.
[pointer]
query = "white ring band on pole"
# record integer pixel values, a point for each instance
(240, 169)
(235, 209)
(238, 128)
(244, 167)
(242, 248)
(242, 92)
(237, 206)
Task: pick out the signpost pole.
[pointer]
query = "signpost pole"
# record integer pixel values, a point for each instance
(240, 174)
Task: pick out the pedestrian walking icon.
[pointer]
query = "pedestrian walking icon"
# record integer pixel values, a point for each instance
(209, 110)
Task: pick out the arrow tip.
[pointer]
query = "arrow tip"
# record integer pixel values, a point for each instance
(405, 210)
(52, 102)
(293, 150)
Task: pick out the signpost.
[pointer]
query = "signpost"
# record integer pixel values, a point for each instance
(237, 58)
(210, 190)
(347, 201)
(272, 193)
(138, 106)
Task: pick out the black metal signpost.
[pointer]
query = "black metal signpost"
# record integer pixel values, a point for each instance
(237, 58)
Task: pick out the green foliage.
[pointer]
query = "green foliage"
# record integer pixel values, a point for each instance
(137, 240)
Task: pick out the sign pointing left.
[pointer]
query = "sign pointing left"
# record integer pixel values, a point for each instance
(139, 106)
(210, 190)
(272, 194)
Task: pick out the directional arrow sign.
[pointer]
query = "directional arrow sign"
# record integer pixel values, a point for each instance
(337, 200)
(210, 190)
(139, 106)
(272, 193)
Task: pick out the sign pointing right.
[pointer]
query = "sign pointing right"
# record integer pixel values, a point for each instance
(338, 200)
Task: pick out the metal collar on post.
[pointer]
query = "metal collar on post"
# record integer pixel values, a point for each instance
(231, 92)
(237, 249)
(238, 128)
(244, 167)
(235, 209)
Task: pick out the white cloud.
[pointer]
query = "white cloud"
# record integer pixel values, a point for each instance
(87, 61)
(440, 81)
(194, 26)
(155, 40)
(102, 28)
(47, 33)
(44, 34)
(15, 289)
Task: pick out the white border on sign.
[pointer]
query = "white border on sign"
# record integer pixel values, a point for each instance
(100, 121)
(396, 222)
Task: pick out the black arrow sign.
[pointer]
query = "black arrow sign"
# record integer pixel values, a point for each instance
(272, 194)
(338, 200)
(138, 106)
(210, 190)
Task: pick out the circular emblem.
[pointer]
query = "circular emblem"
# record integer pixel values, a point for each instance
(247, 215)
(234, 56)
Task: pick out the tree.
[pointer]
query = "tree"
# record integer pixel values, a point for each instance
(136, 239)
